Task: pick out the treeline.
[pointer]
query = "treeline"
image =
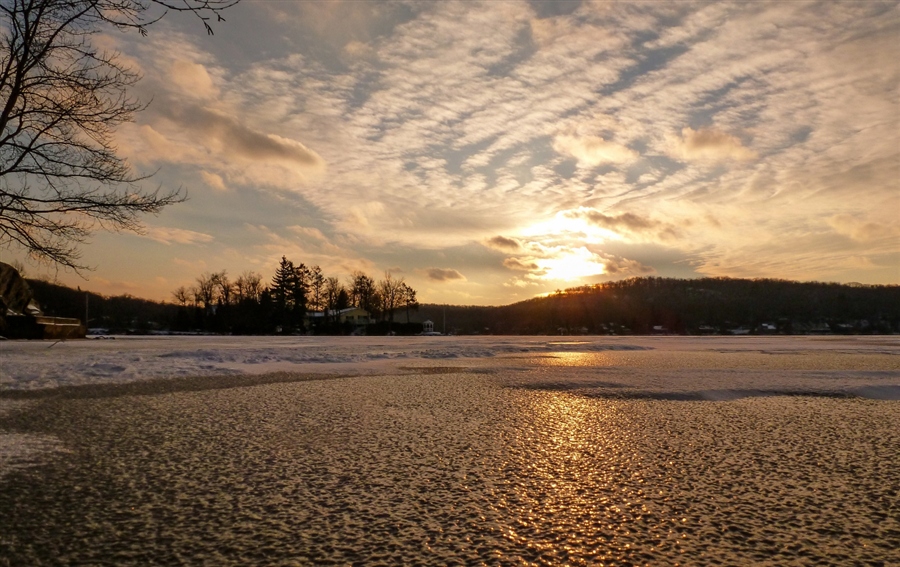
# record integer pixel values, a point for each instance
(118, 314)
(248, 305)
(215, 303)
(701, 306)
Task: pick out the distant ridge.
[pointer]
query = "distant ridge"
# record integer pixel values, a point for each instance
(634, 306)
(678, 306)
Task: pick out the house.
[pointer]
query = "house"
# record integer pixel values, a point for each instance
(355, 316)
(20, 316)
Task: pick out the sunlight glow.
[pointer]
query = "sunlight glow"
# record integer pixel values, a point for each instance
(561, 224)
(571, 265)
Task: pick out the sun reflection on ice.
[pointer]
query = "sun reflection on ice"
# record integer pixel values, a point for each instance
(580, 482)
(576, 359)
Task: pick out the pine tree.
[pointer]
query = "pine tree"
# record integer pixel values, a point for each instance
(281, 291)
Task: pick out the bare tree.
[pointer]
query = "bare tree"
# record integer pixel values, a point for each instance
(223, 287)
(182, 295)
(248, 287)
(62, 100)
(362, 291)
(205, 290)
(196, 295)
(391, 291)
(333, 290)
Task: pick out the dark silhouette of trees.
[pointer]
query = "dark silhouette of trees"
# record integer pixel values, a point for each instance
(363, 293)
(390, 290)
(288, 291)
(62, 100)
(316, 288)
(245, 306)
(700, 306)
(333, 289)
(635, 306)
(408, 296)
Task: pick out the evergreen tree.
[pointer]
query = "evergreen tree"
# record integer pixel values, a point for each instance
(281, 291)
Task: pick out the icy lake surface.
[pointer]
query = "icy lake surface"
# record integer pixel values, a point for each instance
(450, 450)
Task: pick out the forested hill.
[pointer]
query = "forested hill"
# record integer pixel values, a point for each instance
(709, 305)
(639, 305)
(118, 313)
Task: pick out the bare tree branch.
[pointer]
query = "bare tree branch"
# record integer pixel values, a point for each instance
(61, 100)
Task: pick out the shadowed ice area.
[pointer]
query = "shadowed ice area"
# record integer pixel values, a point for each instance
(535, 458)
(455, 470)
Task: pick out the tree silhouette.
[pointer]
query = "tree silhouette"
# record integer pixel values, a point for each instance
(408, 298)
(63, 98)
(390, 289)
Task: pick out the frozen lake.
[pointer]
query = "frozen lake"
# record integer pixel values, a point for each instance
(450, 450)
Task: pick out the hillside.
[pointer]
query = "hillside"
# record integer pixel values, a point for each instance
(634, 306)
(663, 305)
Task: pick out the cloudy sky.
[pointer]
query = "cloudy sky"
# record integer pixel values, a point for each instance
(489, 152)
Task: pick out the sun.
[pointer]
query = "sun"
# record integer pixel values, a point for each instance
(571, 265)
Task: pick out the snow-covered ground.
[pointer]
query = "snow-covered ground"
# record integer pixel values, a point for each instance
(868, 366)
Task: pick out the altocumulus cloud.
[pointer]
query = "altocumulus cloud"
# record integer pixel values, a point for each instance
(709, 144)
(521, 265)
(503, 243)
(628, 222)
(697, 127)
(592, 151)
(443, 274)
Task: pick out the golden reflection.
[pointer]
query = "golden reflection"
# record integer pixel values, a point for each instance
(576, 359)
(579, 473)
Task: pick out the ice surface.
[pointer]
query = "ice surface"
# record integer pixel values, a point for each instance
(676, 367)
(450, 450)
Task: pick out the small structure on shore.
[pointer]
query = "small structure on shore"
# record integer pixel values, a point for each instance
(428, 328)
(21, 317)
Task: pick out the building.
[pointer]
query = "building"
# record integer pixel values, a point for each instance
(354, 316)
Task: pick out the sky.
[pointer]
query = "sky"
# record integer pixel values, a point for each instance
(489, 152)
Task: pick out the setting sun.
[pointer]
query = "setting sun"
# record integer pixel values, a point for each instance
(572, 265)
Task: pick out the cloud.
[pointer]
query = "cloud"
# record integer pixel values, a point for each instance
(358, 49)
(213, 180)
(503, 243)
(591, 151)
(233, 137)
(193, 265)
(192, 79)
(709, 144)
(860, 230)
(517, 264)
(623, 267)
(629, 221)
(168, 235)
(443, 124)
(308, 232)
(591, 225)
(443, 275)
